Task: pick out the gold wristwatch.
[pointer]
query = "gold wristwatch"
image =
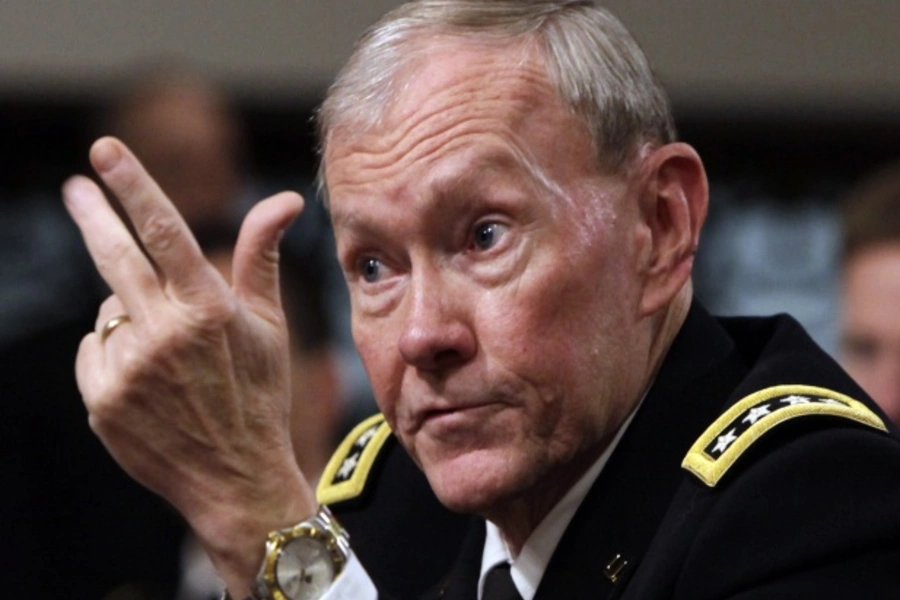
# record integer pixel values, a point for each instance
(304, 560)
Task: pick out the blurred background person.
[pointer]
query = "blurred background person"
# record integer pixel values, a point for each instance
(870, 288)
(190, 138)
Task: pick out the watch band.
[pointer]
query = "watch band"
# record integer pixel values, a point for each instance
(324, 521)
(322, 527)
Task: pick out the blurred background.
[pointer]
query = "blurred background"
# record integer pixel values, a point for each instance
(789, 104)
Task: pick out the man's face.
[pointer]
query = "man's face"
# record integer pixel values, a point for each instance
(492, 276)
(870, 340)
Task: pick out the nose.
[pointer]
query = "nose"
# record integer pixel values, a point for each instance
(437, 333)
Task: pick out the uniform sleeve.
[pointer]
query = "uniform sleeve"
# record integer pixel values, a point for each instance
(353, 584)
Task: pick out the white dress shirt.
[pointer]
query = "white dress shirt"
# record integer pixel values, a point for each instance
(352, 584)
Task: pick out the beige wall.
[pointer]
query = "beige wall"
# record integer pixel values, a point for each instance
(820, 54)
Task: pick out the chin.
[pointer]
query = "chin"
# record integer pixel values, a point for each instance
(475, 481)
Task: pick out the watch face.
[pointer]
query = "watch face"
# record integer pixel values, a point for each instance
(305, 569)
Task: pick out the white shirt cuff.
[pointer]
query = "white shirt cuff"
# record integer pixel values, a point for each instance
(352, 584)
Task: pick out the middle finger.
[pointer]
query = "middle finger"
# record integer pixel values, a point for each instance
(162, 231)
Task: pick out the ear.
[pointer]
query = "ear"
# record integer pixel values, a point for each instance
(673, 204)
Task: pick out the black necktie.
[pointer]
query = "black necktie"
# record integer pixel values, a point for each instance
(498, 585)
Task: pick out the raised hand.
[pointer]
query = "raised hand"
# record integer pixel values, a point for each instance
(190, 393)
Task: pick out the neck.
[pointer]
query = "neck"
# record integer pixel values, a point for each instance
(667, 326)
(517, 519)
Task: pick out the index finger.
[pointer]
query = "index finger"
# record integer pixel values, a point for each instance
(162, 231)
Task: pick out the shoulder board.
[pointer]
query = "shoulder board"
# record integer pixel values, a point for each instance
(722, 444)
(346, 473)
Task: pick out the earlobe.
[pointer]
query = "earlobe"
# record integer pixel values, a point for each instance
(674, 204)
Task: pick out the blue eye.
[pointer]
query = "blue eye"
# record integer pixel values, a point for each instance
(370, 269)
(487, 235)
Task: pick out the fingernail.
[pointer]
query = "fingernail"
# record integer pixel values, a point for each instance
(105, 155)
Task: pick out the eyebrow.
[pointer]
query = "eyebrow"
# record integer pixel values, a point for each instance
(457, 191)
(449, 186)
(472, 176)
(506, 162)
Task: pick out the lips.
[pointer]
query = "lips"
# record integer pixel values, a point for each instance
(455, 403)
(441, 412)
(457, 415)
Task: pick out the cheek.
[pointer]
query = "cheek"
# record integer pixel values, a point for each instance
(547, 329)
(569, 327)
(380, 358)
(577, 303)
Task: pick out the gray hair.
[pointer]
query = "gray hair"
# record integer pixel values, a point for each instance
(600, 72)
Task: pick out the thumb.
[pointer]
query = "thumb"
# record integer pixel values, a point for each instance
(255, 263)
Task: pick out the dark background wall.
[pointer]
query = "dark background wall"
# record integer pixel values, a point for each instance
(809, 83)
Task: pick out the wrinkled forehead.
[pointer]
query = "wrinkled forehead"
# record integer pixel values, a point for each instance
(457, 86)
(442, 70)
(468, 67)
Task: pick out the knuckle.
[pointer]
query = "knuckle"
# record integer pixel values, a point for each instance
(124, 182)
(105, 406)
(163, 363)
(140, 377)
(194, 337)
(158, 232)
(96, 423)
(114, 251)
(215, 314)
(134, 364)
(161, 357)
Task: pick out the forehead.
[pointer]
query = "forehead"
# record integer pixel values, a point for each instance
(458, 69)
(460, 96)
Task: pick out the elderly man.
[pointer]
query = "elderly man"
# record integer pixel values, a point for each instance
(517, 227)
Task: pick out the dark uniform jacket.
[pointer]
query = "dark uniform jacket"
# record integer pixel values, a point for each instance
(755, 468)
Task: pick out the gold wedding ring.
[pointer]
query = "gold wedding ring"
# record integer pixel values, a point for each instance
(111, 325)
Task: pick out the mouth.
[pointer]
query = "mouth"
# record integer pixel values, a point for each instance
(458, 408)
(458, 415)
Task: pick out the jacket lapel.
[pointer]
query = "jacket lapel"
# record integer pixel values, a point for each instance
(461, 583)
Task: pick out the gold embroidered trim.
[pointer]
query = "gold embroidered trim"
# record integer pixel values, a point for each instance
(348, 469)
(731, 434)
